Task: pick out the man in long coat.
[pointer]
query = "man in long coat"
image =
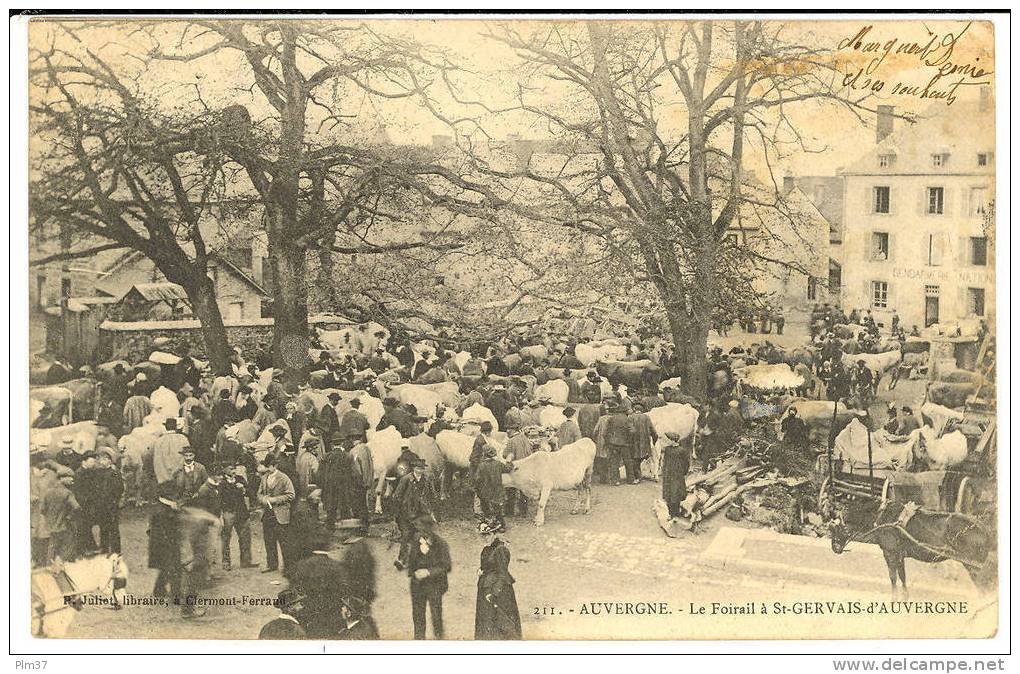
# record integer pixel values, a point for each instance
(644, 437)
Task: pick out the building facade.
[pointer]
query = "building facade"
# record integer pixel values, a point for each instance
(918, 230)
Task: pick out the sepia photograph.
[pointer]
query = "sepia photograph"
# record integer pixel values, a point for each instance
(573, 328)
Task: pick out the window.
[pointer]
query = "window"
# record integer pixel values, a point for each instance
(931, 291)
(984, 158)
(886, 160)
(978, 251)
(976, 301)
(882, 199)
(936, 249)
(812, 288)
(732, 238)
(879, 295)
(939, 160)
(936, 200)
(879, 246)
(978, 200)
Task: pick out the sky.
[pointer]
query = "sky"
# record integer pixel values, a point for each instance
(903, 55)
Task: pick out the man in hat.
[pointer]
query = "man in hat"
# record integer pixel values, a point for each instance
(88, 492)
(619, 437)
(294, 417)
(201, 435)
(363, 473)
(165, 544)
(644, 437)
(110, 486)
(234, 516)
(520, 445)
(483, 438)
(223, 411)
(137, 406)
(413, 498)
(60, 512)
(166, 451)
(329, 419)
(396, 416)
(428, 564)
(41, 479)
(275, 495)
(288, 624)
(307, 465)
(188, 477)
(591, 390)
(354, 424)
(500, 402)
(489, 488)
(568, 432)
(67, 456)
(334, 478)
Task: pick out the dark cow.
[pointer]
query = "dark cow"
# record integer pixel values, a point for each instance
(634, 375)
(950, 394)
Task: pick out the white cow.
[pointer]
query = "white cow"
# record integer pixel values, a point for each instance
(568, 468)
(424, 399)
(448, 391)
(385, 448)
(477, 414)
(133, 447)
(878, 363)
(599, 351)
(82, 433)
(679, 418)
(556, 390)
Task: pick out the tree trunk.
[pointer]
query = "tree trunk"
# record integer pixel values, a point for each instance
(290, 311)
(202, 296)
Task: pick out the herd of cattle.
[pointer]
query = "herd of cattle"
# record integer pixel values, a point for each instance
(67, 408)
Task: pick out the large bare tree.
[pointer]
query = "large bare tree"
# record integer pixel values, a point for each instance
(112, 172)
(294, 141)
(660, 117)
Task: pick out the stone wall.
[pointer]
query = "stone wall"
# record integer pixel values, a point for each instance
(134, 342)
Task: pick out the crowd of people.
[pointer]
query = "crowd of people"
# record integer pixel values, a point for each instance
(211, 469)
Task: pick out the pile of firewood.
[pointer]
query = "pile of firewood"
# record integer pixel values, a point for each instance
(734, 476)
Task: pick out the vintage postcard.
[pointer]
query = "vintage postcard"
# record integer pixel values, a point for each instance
(586, 328)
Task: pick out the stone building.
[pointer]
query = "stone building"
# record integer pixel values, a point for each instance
(917, 218)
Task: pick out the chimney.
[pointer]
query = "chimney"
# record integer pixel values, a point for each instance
(788, 183)
(884, 122)
(985, 102)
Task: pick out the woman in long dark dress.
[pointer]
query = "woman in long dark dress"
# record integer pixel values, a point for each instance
(676, 462)
(496, 613)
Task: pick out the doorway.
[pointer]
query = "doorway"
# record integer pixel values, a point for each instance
(931, 308)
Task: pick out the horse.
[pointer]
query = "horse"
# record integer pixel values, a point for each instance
(904, 530)
(57, 592)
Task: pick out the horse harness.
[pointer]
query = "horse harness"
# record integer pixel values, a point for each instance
(907, 513)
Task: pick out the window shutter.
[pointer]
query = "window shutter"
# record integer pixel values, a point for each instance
(962, 308)
(948, 199)
(966, 199)
(867, 296)
(922, 206)
(892, 201)
(963, 250)
(892, 247)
